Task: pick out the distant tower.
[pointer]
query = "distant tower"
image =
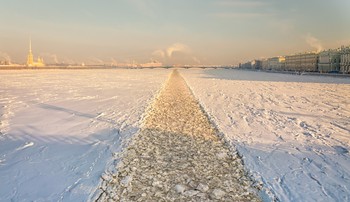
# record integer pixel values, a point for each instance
(30, 60)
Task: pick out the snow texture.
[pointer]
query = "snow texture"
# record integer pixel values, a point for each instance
(59, 129)
(292, 131)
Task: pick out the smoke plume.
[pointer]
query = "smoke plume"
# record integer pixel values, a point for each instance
(177, 47)
(5, 56)
(50, 57)
(314, 42)
(168, 52)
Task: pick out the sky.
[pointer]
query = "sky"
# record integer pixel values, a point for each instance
(172, 32)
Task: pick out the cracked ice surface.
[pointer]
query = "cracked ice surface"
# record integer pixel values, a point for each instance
(293, 131)
(177, 156)
(59, 128)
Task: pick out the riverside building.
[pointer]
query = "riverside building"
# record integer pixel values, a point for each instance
(276, 63)
(302, 62)
(329, 61)
(345, 60)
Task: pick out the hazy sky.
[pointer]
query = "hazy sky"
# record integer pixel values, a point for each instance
(171, 31)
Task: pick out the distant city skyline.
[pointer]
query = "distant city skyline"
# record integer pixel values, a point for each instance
(171, 32)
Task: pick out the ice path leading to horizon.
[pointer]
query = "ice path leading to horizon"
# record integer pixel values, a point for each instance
(178, 156)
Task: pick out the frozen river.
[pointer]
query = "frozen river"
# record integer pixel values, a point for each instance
(59, 129)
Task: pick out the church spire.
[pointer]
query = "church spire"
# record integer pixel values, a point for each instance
(30, 44)
(30, 60)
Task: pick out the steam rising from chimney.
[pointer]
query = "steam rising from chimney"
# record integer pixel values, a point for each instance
(5, 56)
(314, 42)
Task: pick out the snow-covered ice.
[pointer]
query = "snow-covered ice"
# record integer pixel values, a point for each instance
(293, 131)
(59, 128)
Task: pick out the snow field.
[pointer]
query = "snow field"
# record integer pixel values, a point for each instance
(59, 128)
(292, 131)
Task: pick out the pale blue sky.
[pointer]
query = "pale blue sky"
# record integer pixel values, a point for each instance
(173, 32)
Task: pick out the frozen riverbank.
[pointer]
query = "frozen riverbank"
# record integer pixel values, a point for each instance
(59, 128)
(293, 131)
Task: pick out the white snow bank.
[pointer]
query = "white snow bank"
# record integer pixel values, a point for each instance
(293, 131)
(59, 128)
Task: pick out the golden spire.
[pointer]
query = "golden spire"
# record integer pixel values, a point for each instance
(30, 44)
(30, 60)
